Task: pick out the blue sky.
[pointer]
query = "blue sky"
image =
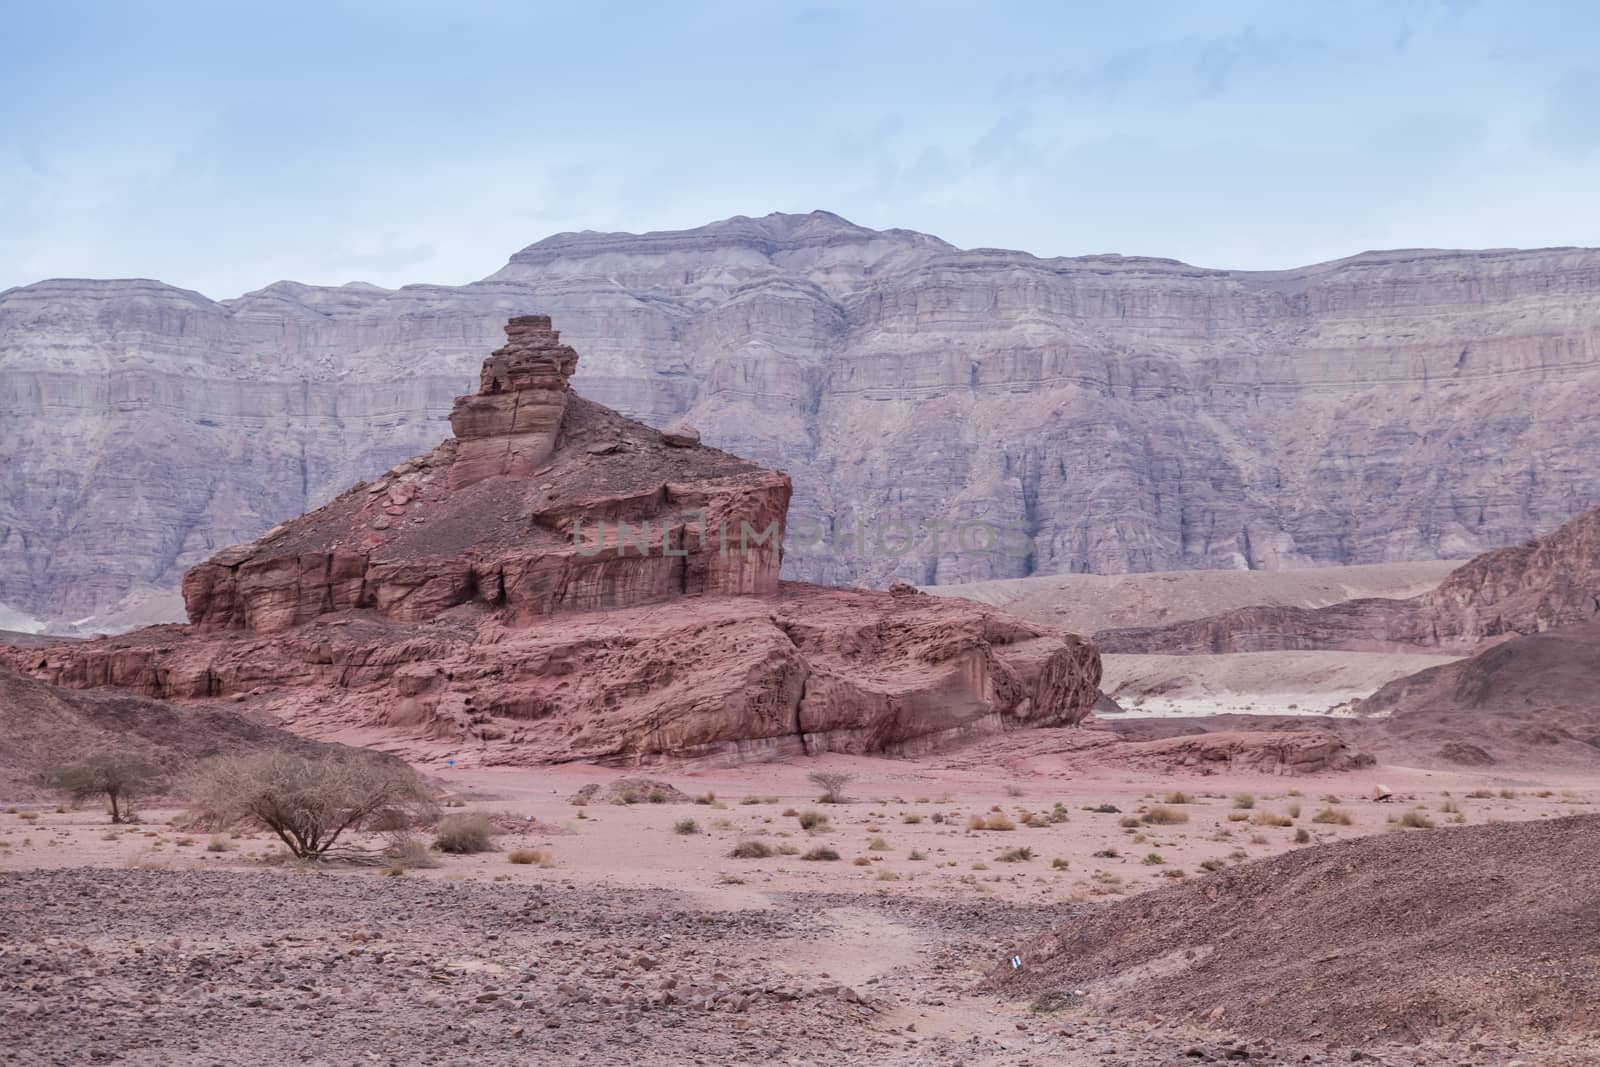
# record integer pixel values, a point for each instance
(222, 147)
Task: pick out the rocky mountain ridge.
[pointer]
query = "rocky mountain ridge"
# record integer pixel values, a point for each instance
(1541, 585)
(1125, 414)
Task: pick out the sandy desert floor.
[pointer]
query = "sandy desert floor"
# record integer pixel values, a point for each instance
(630, 935)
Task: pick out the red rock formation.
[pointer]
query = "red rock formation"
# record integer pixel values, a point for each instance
(1547, 583)
(542, 503)
(805, 671)
(416, 611)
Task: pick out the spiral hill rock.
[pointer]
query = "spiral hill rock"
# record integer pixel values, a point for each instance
(557, 582)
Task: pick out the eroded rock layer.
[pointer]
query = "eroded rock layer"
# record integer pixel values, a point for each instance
(808, 670)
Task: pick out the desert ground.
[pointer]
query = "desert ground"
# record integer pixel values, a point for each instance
(600, 931)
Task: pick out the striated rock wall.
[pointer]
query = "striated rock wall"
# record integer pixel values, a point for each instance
(1127, 413)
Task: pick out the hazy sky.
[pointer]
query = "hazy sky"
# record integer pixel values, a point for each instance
(224, 146)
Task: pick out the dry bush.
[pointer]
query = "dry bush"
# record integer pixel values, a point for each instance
(1162, 816)
(464, 834)
(525, 856)
(751, 850)
(1416, 821)
(821, 852)
(406, 852)
(1266, 818)
(1333, 816)
(911, 818)
(685, 827)
(1152, 859)
(1059, 864)
(812, 820)
(1244, 801)
(117, 776)
(861, 861)
(1177, 797)
(1015, 855)
(309, 802)
(832, 784)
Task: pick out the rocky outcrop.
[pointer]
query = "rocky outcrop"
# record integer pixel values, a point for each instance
(1544, 584)
(1125, 413)
(728, 678)
(541, 503)
(417, 611)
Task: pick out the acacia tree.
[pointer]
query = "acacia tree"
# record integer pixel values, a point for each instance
(117, 776)
(832, 784)
(308, 801)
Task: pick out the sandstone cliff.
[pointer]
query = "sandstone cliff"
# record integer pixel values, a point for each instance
(1128, 414)
(417, 612)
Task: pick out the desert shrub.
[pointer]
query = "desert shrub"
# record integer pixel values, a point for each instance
(878, 844)
(1267, 818)
(685, 826)
(218, 843)
(1106, 809)
(1238, 816)
(1059, 864)
(1107, 854)
(1416, 821)
(309, 802)
(1212, 865)
(1333, 816)
(706, 798)
(1450, 807)
(861, 861)
(1000, 822)
(832, 784)
(916, 854)
(821, 852)
(1177, 797)
(1163, 816)
(1015, 855)
(1302, 836)
(1152, 859)
(911, 818)
(938, 818)
(1244, 801)
(751, 850)
(1129, 822)
(812, 820)
(406, 852)
(1013, 790)
(789, 813)
(888, 876)
(1293, 810)
(525, 856)
(977, 822)
(117, 776)
(464, 834)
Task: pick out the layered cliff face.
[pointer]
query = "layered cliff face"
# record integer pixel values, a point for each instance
(558, 582)
(1541, 585)
(1123, 414)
